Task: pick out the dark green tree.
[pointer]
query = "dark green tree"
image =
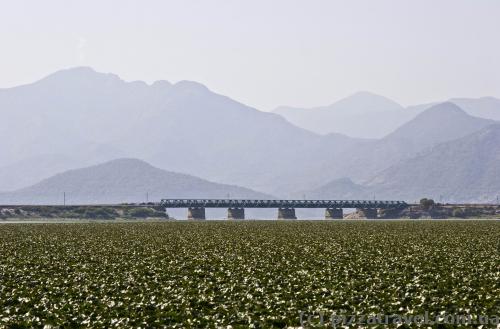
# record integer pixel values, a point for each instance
(426, 204)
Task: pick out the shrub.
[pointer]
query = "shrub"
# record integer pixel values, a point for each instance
(426, 203)
(458, 212)
(144, 212)
(100, 213)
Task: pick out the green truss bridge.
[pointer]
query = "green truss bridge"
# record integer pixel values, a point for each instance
(286, 208)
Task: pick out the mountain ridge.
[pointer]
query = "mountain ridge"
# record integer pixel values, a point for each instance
(124, 180)
(185, 127)
(461, 170)
(390, 116)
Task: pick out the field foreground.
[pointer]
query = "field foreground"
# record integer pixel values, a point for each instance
(244, 274)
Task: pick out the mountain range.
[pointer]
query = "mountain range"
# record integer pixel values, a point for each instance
(183, 127)
(354, 116)
(463, 170)
(366, 115)
(438, 124)
(122, 181)
(79, 118)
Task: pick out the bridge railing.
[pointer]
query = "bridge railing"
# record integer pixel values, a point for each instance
(249, 203)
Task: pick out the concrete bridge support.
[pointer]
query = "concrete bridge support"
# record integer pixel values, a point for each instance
(369, 213)
(334, 213)
(286, 213)
(197, 213)
(236, 213)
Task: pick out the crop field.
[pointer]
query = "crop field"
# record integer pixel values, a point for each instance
(258, 274)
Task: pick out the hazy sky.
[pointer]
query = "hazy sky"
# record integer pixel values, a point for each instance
(264, 53)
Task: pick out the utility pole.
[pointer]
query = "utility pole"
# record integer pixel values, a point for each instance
(64, 198)
(147, 197)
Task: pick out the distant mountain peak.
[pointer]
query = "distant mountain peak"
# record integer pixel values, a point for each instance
(126, 162)
(76, 71)
(122, 180)
(80, 74)
(161, 84)
(363, 100)
(192, 86)
(354, 116)
(438, 114)
(440, 123)
(445, 107)
(368, 94)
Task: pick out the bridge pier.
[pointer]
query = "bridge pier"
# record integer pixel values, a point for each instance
(286, 213)
(368, 213)
(236, 213)
(286, 208)
(334, 213)
(196, 213)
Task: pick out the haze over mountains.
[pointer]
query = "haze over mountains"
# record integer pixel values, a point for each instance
(462, 170)
(433, 126)
(122, 180)
(366, 115)
(363, 115)
(78, 117)
(182, 127)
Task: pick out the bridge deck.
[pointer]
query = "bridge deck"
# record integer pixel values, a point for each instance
(241, 203)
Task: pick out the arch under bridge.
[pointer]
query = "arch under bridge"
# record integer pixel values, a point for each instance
(286, 208)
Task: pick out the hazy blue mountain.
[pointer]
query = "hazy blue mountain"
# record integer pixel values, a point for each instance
(372, 116)
(484, 107)
(90, 117)
(212, 136)
(182, 127)
(440, 123)
(467, 169)
(122, 180)
(363, 115)
(463, 170)
(70, 111)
